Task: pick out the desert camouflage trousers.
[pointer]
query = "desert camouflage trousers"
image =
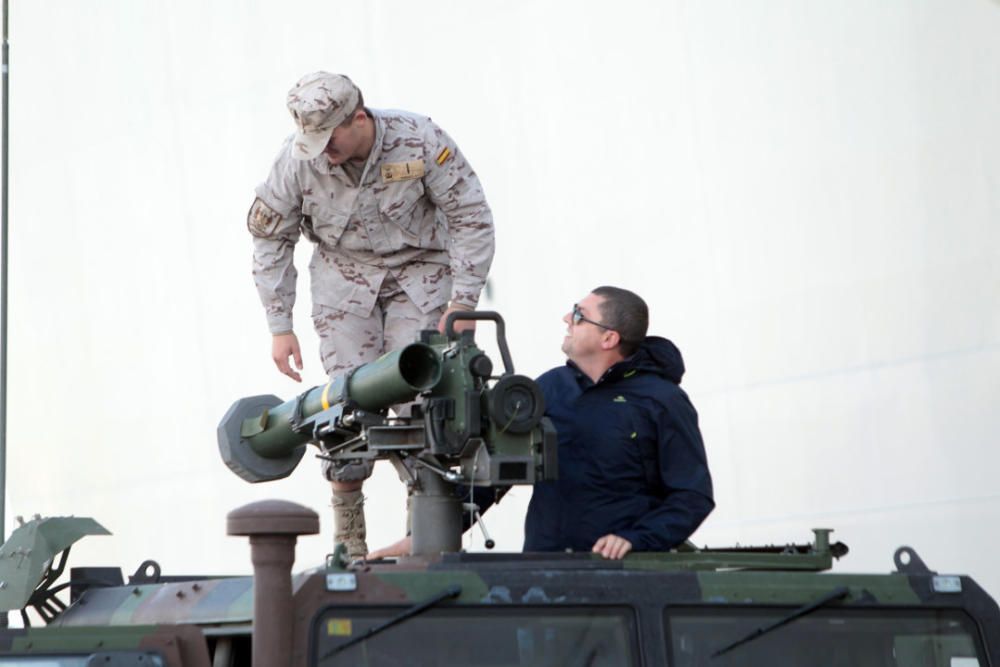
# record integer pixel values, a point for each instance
(347, 341)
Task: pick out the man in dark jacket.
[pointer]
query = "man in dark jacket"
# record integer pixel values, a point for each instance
(632, 468)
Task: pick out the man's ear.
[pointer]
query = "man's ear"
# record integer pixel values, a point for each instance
(612, 339)
(350, 120)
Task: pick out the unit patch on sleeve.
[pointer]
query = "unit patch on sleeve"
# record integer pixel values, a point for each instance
(262, 220)
(402, 171)
(443, 156)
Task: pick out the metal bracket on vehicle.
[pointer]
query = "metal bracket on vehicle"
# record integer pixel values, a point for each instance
(908, 562)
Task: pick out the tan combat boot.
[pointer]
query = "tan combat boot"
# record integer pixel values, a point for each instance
(349, 523)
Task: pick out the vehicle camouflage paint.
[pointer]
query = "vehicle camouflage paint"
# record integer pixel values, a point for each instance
(688, 607)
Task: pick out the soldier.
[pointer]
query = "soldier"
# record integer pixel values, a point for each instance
(633, 475)
(403, 236)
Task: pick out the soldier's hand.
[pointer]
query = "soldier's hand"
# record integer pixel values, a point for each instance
(284, 346)
(400, 548)
(612, 546)
(461, 325)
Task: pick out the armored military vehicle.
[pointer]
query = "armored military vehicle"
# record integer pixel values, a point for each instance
(471, 433)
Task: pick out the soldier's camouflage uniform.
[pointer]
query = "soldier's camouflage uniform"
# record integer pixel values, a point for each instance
(395, 241)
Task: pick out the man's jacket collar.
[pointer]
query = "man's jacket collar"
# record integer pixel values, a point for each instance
(655, 355)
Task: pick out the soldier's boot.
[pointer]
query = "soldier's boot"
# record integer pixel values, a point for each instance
(349, 523)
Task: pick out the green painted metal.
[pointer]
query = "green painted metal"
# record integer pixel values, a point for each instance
(224, 602)
(395, 377)
(26, 555)
(815, 557)
(717, 560)
(799, 587)
(63, 640)
(455, 381)
(422, 585)
(125, 613)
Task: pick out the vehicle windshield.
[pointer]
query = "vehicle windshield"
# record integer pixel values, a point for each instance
(825, 638)
(480, 636)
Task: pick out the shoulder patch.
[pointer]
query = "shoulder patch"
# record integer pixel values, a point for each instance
(262, 220)
(402, 171)
(443, 156)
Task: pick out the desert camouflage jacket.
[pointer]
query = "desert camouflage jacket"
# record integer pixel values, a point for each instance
(417, 212)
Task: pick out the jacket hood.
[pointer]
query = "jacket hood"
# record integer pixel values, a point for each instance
(661, 356)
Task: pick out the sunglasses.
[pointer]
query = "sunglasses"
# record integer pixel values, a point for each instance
(579, 317)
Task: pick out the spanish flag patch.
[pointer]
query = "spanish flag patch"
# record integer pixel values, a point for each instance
(443, 156)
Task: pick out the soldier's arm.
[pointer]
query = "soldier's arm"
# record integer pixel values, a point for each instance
(455, 189)
(273, 222)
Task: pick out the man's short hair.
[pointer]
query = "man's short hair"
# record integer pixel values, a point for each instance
(359, 107)
(626, 313)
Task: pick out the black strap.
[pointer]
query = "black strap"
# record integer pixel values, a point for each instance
(295, 421)
(345, 396)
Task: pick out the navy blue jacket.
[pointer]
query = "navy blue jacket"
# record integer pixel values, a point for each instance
(631, 458)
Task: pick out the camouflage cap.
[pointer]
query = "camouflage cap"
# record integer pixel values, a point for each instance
(319, 102)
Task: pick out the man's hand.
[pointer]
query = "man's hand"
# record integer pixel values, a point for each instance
(612, 546)
(400, 548)
(464, 325)
(284, 346)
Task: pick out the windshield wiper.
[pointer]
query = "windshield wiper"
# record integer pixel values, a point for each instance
(836, 594)
(447, 594)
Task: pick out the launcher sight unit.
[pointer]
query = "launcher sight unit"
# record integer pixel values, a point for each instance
(466, 427)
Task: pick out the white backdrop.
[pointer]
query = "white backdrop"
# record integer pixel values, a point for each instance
(807, 194)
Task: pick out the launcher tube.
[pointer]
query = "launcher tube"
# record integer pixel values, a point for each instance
(395, 377)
